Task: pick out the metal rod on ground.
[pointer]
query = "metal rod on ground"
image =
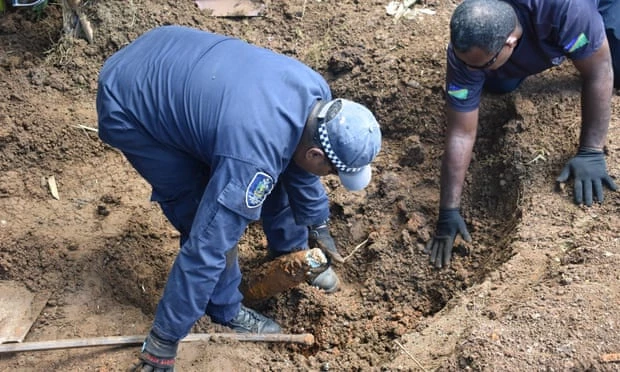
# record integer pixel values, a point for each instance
(304, 338)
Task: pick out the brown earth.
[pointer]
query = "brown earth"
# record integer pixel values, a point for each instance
(538, 289)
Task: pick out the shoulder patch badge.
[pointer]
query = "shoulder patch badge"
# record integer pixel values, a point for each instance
(457, 92)
(258, 189)
(577, 43)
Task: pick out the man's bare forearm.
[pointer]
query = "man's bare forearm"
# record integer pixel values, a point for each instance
(595, 113)
(457, 155)
(596, 91)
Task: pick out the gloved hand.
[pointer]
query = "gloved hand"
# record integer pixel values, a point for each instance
(320, 234)
(589, 170)
(157, 355)
(449, 224)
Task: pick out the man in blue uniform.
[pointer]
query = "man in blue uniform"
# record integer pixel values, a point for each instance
(495, 45)
(227, 133)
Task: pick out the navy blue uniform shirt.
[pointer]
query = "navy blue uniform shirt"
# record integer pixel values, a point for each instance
(553, 30)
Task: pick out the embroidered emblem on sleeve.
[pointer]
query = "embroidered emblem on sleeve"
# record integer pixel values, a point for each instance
(457, 92)
(577, 43)
(258, 189)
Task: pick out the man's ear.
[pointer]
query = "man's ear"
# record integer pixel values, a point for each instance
(512, 41)
(314, 153)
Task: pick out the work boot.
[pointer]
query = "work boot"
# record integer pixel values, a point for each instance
(327, 281)
(251, 321)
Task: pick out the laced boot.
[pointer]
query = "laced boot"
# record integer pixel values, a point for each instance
(251, 321)
(327, 281)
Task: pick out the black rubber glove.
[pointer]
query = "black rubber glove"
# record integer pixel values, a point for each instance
(589, 170)
(157, 355)
(320, 234)
(449, 224)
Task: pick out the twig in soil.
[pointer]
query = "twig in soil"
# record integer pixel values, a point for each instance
(87, 128)
(411, 356)
(537, 158)
(303, 9)
(355, 249)
(133, 15)
(540, 156)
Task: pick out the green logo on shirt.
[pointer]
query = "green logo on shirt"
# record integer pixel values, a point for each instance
(577, 43)
(458, 92)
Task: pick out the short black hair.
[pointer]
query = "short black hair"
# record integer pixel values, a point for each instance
(481, 23)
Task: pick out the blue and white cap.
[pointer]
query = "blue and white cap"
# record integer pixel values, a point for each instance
(351, 139)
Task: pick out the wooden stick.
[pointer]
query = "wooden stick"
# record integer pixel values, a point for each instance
(304, 338)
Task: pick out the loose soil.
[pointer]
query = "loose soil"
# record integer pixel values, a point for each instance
(537, 289)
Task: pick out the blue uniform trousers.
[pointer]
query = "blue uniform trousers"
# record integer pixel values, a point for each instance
(178, 181)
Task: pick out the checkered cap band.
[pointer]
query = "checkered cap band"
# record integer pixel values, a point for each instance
(329, 151)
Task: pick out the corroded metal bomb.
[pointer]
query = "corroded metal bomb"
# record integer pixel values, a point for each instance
(283, 273)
